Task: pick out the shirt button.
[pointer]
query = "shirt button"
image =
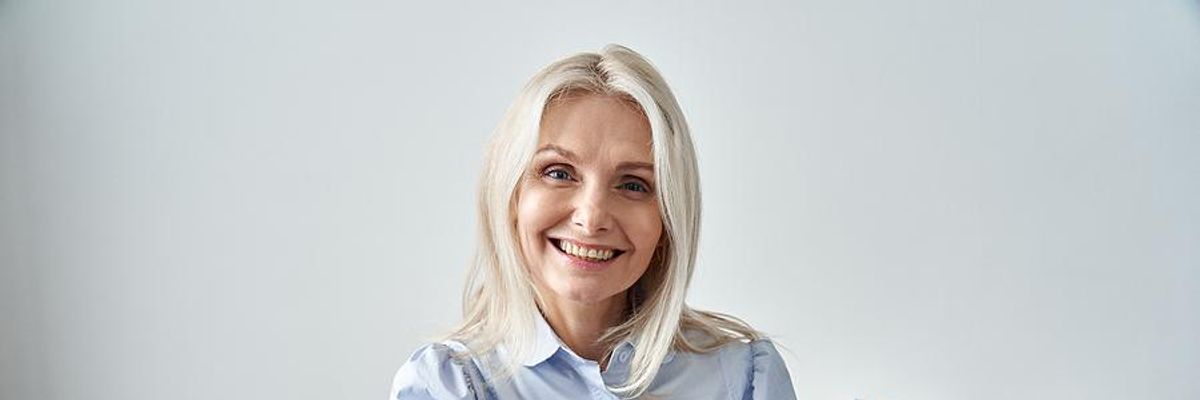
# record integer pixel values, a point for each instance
(624, 357)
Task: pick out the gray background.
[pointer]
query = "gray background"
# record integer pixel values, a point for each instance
(919, 200)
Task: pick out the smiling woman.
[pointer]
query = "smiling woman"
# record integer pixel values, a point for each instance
(589, 215)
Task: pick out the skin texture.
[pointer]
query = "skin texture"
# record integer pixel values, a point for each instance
(591, 181)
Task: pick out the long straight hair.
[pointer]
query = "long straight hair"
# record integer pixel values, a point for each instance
(500, 300)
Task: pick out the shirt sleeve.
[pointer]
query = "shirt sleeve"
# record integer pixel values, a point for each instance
(769, 378)
(430, 374)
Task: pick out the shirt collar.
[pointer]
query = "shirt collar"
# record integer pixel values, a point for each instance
(547, 343)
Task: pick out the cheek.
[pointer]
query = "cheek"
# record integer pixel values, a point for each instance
(644, 227)
(535, 213)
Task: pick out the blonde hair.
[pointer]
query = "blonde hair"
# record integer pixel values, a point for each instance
(500, 300)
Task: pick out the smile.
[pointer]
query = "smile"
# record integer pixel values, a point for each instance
(585, 253)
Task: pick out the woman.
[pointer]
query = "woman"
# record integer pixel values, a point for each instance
(589, 211)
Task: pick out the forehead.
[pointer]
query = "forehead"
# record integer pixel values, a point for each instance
(594, 125)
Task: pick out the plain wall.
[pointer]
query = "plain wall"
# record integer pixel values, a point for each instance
(919, 200)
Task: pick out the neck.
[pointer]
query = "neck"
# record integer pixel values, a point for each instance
(580, 325)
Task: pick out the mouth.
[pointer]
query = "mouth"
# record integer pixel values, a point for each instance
(585, 253)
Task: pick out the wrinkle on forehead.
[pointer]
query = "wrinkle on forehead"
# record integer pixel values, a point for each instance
(578, 121)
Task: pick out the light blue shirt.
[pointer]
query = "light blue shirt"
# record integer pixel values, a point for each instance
(735, 371)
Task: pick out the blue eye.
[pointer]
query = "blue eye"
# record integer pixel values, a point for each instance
(634, 186)
(558, 174)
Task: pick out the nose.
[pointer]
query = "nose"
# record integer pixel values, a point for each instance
(592, 215)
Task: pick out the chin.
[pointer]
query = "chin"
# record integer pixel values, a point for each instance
(584, 292)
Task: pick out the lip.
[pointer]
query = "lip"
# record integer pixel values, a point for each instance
(587, 265)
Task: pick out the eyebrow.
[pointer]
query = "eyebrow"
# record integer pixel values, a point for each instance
(624, 166)
(555, 149)
(631, 165)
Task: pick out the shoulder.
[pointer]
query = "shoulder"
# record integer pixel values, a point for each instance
(745, 354)
(759, 354)
(764, 356)
(431, 372)
(756, 369)
(768, 374)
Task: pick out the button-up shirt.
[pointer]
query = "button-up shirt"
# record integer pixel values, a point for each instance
(735, 371)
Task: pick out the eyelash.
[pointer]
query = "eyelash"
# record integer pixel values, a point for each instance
(549, 171)
(643, 188)
(552, 170)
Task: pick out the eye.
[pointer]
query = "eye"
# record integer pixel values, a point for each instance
(634, 186)
(557, 173)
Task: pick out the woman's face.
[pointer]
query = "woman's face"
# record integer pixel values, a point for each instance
(587, 210)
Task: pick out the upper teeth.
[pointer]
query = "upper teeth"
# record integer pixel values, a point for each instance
(579, 251)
